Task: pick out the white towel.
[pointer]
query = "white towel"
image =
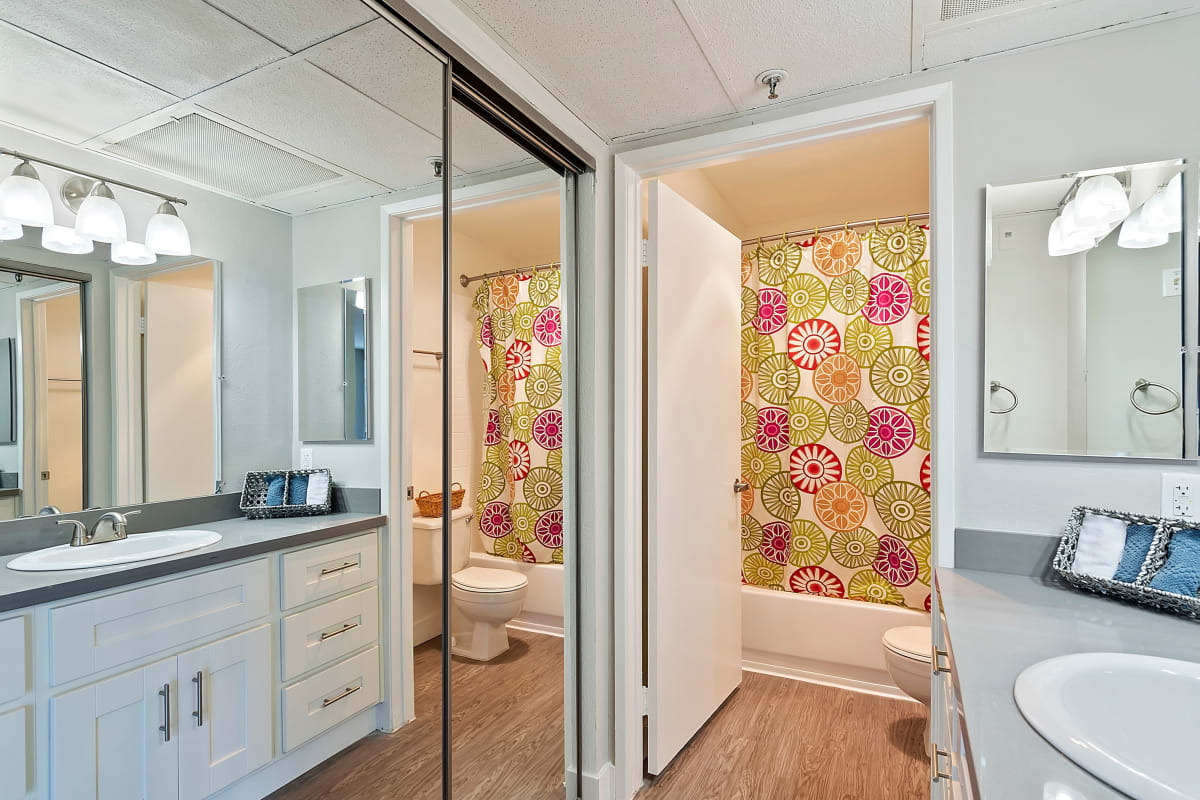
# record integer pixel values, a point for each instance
(1101, 543)
(318, 487)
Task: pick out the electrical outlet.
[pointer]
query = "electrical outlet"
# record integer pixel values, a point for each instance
(305, 458)
(1181, 495)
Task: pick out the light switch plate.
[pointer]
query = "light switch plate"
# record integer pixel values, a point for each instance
(1181, 494)
(305, 458)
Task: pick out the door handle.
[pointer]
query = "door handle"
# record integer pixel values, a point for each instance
(165, 694)
(935, 767)
(739, 486)
(199, 712)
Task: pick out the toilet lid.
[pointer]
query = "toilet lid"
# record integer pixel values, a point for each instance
(482, 579)
(910, 641)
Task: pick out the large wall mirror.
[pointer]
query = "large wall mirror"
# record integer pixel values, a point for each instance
(110, 379)
(1085, 299)
(334, 361)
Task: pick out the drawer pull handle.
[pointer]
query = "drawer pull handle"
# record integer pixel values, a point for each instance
(935, 765)
(342, 568)
(938, 655)
(349, 626)
(328, 701)
(165, 694)
(199, 712)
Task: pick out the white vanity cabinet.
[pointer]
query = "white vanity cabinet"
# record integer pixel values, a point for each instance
(16, 707)
(948, 766)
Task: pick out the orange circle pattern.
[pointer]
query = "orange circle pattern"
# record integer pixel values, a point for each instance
(504, 292)
(840, 506)
(747, 383)
(747, 497)
(837, 379)
(837, 253)
(506, 386)
(747, 268)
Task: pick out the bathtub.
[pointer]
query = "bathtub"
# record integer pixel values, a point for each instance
(820, 639)
(543, 611)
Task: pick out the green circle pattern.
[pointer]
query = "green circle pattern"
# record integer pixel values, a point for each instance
(749, 305)
(776, 262)
(524, 521)
(523, 415)
(865, 342)
(780, 497)
(757, 465)
(523, 317)
(874, 588)
(810, 545)
(900, 375)
(760, 571)
(491, 482)
(755, 348)
(868, 471)
(904, 508)
(749, 420)
(751, 533)
(806, 297)
(855, 548)
(806, 421)
(922, 419)
(849, 292)
(502, 328)
(778, 379)
(543, 386)
(543, 287)
(543, 488)
(918, 281)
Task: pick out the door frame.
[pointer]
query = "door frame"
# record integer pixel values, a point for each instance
(630, 169)
(395, 426)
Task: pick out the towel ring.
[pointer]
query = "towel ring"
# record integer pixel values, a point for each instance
(997, 386)
(1141, 384)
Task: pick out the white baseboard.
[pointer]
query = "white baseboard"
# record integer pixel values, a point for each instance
(538, 623)
(598, 785)
(859, 684)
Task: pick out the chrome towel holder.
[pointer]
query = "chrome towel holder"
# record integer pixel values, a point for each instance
(997, 386)
(1141, 384)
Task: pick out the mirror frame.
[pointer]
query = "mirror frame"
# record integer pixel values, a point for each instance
(368, 373)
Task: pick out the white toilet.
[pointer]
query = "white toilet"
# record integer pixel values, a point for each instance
(908, 651)
(485, 599)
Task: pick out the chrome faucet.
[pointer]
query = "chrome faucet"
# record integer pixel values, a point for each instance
(116, 528)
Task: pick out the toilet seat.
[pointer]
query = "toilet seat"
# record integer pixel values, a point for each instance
(486, 581)
(911, 641)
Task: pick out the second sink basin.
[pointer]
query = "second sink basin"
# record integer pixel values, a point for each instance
(1130, 720)
(135, 547)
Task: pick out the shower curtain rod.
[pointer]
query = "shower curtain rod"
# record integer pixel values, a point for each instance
(468, 280)
(859, 224)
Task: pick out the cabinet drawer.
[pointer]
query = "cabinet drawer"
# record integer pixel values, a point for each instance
(14, 755)
(327, 569)
(97, 634)
(14, 641)
(325, 633)
(316, 704)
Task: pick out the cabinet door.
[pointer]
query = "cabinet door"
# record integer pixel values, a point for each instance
(14, 754)
(107, 740)
(225, 712)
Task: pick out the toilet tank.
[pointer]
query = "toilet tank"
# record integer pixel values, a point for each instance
(427, 545)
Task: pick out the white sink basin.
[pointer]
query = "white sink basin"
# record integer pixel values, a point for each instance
(135, 547)
(1130, 720)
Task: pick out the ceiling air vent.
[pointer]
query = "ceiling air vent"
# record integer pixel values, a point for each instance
(953, 9)
(198, 149)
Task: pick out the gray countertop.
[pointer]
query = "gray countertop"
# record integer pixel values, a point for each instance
(240, 538)
(1000, 624)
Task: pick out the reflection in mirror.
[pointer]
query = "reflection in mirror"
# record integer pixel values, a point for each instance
(1084, 309)
(333, 322)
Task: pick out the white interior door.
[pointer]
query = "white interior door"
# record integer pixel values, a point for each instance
(694, 619)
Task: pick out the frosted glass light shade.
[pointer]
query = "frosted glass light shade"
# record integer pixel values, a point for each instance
(1101, 200)
(1064, 242)
(133, 254)
(62, 239)
(166, 234)
(100, 217)
(1073, 224)
(1163, 212)
(25, 199)
(1135, 236)
(10, 230)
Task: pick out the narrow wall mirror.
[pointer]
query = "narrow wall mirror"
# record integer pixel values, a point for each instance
(1085, 298)
(334, 361)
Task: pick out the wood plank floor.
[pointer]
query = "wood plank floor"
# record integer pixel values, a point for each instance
(508, 734)
(780, 739)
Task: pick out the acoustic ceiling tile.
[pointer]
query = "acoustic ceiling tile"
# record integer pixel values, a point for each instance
(296, 24)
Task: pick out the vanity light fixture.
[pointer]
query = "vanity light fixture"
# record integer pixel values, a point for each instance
(1163, 211)
(133, 254)
(1135, 235)
(100, 217)
(1073, 222)
(1064, 242)
(1101, 202)
(62, 239)
(10, 230)
(166, 233)
(24, 199)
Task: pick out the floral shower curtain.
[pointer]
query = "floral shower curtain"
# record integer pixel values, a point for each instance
(520, 491)
(836, 416)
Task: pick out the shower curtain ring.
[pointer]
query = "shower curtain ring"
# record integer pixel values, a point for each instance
(906, 220)
(845, 227)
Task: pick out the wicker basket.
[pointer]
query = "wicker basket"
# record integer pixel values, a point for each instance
(254, 496)
(1139, 591)
(430, 505)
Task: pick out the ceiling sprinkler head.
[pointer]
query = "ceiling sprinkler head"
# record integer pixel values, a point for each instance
(771, 78)
(437, 163)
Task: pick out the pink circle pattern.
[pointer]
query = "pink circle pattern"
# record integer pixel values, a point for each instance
(549, 528)
(492, 436)
(517, 359)
(813, 466)
(923, 337)
(813, 341)
(485, 332)
(519, 460)
(927, 473)
(547, 327)
(548, 430)
(895, 561)
(890, 432)
(818, 581)
(773, 429)
(495, 521)
(772, 311)
(890, 299)
(776, 542)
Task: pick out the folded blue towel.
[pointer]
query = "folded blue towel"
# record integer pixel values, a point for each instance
(297, 490)
(1181, 573)
(1137, 546)
(275, 485)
